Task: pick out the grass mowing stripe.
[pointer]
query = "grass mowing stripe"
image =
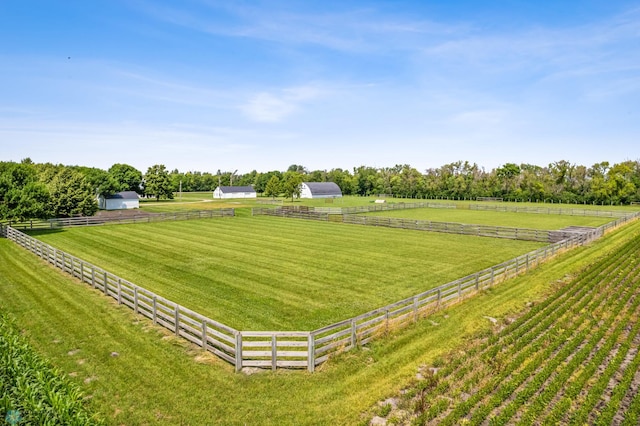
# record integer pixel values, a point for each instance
(219, 267)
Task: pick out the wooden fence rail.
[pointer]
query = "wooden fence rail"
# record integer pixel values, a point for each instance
(291, 349)
(125, 219)
(548, 210)
(309, 214)
(322, 213)
(539, 235)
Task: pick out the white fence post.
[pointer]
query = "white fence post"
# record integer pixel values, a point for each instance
(238, 351)
(354, 334)
(177, 320)
(274, 352)
(311, 353)
(204, 335)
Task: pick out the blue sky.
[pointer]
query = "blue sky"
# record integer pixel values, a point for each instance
(207, 85)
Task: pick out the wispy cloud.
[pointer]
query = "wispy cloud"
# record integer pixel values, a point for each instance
(349, 29)
(568, 47)
(271, 107)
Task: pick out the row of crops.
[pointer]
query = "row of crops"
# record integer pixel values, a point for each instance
(31, 390)
(571, 359)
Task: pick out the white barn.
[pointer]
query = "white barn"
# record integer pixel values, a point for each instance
(234, 192)
(119, 201)
(320, 190)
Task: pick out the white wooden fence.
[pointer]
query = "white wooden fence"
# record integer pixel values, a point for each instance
(548, 210)
(539, 235)
(323, 213)
(291, 349)
(124, 219)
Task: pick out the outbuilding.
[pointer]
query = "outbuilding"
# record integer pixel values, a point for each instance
(234, 192)
(320, 190)
(119, 201)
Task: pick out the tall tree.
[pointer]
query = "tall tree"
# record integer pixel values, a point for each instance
(508, 174)
(72, 195)
(291, 184)
(273, 187)
(22, 195)
(157, 183)
(127, 177)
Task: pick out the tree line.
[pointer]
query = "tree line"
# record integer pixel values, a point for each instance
(40, 191)
(31, 190)
(560, 181)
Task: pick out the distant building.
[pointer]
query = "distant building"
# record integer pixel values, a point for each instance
(234, 192)
(119, 201)
(320, 190)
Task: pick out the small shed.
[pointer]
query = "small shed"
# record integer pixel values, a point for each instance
(320, 190)
(119, 201)
(234, 192)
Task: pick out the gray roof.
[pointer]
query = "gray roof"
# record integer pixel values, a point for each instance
(124, 195)
(231, 189)
(324, 188)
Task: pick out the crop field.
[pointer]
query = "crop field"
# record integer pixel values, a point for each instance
(508, 219)
(266, 273)
(572, 359)
(33, 392)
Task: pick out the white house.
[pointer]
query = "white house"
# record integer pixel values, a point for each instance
(320, 190)
(119, 201)
(234, 192)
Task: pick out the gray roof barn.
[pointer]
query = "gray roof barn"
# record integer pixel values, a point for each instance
(124, 195)
(119, 201)
(320, 190)
(235, 189)
(234, 192)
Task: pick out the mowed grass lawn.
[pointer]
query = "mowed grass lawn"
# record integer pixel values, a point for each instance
(508, 219)
(265, 273)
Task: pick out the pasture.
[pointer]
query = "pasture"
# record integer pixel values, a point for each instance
(166, 381)
(266, 273)
(508, 219)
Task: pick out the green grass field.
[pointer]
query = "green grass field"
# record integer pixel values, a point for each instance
(266, 273)
(509, 219)
(157, 379)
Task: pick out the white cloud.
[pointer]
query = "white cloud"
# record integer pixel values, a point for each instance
(268, 107)
(265, 107)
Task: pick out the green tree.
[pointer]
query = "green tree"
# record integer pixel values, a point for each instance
(261, 180)
(343, 179)
(100, 180)
(273, 187)
(291, 184)
(157, 183)
(127, 177)
(22, 195)
(508, 174)
(297, 168)
(71, 194)
(620, 182)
